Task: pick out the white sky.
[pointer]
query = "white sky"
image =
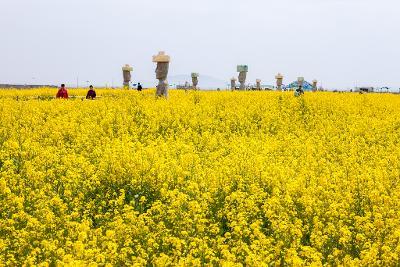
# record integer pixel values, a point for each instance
(339, 42)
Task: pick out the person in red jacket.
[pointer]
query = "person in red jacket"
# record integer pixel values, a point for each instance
(62, 92)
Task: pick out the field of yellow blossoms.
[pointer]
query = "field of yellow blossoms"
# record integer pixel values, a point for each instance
(200, 179)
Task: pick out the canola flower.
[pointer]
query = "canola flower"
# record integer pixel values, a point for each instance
(203, 178)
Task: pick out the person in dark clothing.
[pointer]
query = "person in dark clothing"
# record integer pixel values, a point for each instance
(91, 94)
(299, 91)
(62, 92)
(139, 87)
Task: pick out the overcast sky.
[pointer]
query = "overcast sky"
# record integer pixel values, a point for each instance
(339, 42)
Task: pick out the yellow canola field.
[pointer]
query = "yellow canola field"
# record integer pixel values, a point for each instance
(200, 179)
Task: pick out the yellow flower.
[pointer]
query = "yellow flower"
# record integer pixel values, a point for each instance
(203, 178)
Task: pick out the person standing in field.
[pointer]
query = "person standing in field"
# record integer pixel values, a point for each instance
(91, 94)
(139, 87)
(62, 92)
(299, 91)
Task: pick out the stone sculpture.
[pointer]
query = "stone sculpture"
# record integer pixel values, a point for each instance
(233, 83)
(279, 81)
(195, 80)
(242, 69)
(126, 72)
(162, 61)
(314, 85)
(258, 84)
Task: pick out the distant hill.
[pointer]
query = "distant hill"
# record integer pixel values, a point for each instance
(205, 81)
